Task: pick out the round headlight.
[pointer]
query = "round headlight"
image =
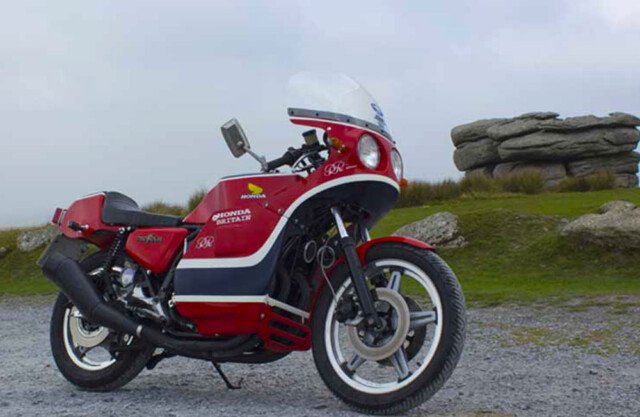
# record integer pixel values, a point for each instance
(368, 151)
(396, 164)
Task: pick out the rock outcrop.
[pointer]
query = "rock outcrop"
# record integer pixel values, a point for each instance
(617, 227)
(575, 146)
(553, 172)
(440, 230)
(33, 239)
(616, 205)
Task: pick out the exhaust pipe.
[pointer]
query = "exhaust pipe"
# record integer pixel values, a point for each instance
(78, 287)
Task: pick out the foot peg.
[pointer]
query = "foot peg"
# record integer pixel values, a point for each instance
(156, 359)
(224, 377)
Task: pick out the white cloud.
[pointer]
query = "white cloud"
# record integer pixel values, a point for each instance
(618, 14)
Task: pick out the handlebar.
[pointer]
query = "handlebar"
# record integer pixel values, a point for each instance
(289, 157)
(292, 155)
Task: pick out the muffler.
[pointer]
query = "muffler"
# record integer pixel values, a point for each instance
(81, 291)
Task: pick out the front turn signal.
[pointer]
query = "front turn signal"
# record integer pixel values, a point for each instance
(403, 183)
(337, 144)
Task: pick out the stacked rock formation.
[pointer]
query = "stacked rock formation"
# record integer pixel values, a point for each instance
(558, 148)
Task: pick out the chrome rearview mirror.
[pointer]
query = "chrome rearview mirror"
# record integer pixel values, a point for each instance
(236, 139)
(238, 143)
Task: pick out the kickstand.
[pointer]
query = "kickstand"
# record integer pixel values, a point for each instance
(224, 377)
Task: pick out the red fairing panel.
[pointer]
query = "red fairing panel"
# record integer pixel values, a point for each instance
(155, 248)
(222, 318)
(279, 333)
(239, 215)
(349, 135)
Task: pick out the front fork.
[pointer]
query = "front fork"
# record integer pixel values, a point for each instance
(358, 277)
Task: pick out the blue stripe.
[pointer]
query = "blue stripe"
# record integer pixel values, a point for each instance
(253, 280)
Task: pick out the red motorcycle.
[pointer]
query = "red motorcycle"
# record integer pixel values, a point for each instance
(266, 264)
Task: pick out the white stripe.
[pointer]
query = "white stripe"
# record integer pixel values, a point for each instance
(284, 306)
(220, 298)
(259, 255)
(264, 299)
(258, 175)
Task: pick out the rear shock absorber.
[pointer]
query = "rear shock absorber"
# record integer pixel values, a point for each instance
(114, 251)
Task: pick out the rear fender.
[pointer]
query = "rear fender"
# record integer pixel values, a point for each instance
(86, 213)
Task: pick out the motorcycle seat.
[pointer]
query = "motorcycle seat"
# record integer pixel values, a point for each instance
(122, 210)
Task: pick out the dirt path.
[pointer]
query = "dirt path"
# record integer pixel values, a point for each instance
(579, 359)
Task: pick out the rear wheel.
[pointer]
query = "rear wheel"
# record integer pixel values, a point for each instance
(90, 356)
(422, 306)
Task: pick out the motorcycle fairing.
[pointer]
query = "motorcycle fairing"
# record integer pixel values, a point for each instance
(223, 295)
(251, 275)
(223, 281)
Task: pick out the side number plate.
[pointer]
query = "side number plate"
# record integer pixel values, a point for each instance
(72, 248)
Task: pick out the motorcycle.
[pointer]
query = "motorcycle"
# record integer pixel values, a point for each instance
(267, 264)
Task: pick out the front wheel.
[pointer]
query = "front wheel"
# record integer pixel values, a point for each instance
(396, 368)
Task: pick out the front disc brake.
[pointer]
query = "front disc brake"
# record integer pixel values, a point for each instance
(391, 344)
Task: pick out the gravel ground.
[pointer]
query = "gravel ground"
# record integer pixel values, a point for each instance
(578, 359)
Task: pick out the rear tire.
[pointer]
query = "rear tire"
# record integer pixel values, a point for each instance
(107, 376)
(426, 380)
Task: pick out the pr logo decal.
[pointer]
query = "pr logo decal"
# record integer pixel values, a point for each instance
(204, 242)
(336, 168)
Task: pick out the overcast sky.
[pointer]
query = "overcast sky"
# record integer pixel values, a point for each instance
(129, 96)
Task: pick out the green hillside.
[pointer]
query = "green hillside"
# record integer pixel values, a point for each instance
(514, 252)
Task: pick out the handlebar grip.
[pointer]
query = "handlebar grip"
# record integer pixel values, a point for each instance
(286, 159)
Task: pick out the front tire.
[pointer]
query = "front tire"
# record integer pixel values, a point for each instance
(364, 380)
(70, 335)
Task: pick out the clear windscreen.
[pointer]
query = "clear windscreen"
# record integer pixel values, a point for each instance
(334, 97)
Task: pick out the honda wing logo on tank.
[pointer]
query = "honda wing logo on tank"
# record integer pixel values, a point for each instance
(255, 191)
(232, 216)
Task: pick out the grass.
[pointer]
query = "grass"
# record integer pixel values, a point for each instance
(18, 271)
(528, 181)
(594, 182)
(514, 254)
(165, 208)
(176, 209)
